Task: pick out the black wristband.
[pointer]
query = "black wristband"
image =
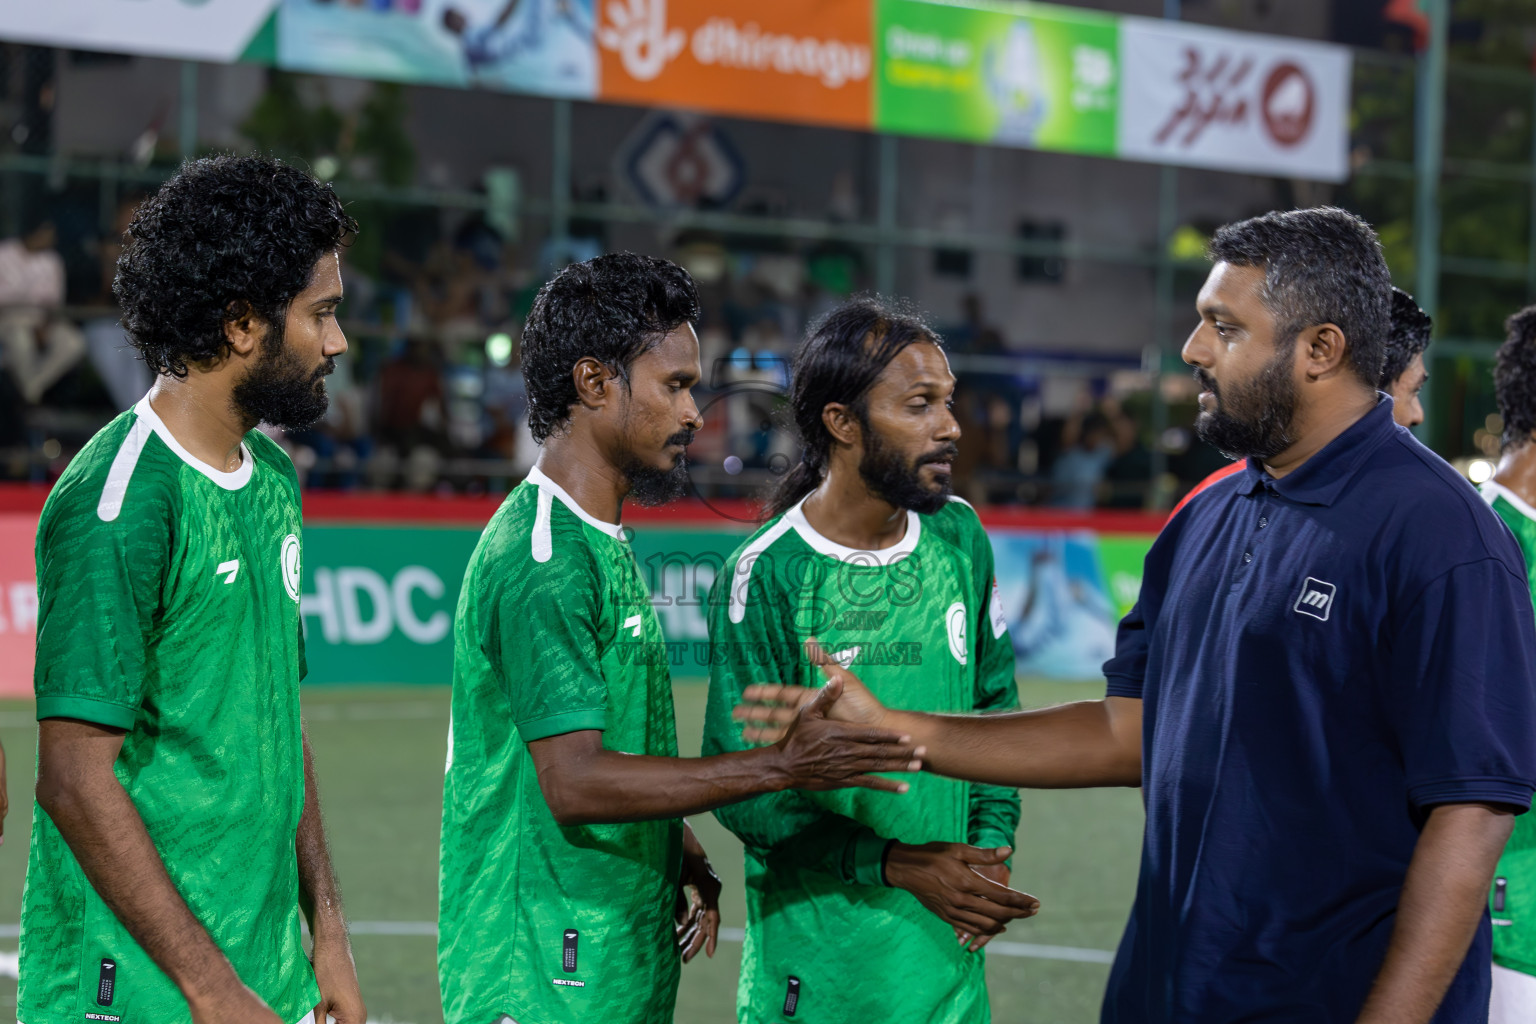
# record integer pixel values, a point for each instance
(885, 855)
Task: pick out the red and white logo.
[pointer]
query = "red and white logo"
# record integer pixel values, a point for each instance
(1288, 102)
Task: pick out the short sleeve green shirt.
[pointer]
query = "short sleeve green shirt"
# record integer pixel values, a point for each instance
(168, 606)
(1513, 901)
(547, 923)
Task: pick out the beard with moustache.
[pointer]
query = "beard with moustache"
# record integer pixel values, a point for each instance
(650, 486)
(280, 388)
(1254, 419)
(898, 482)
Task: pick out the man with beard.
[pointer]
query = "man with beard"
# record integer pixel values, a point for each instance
(867, 550)
(177, 836)
(1327, 688)
(570, 885)
(1403, 376)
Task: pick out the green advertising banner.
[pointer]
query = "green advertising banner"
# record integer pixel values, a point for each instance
(378, 601)
(1121, 557)
(1017, 74)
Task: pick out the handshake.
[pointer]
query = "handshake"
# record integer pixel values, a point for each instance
(964, 886)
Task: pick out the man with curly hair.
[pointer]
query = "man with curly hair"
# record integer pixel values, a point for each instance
(570, 886)
(177, 837)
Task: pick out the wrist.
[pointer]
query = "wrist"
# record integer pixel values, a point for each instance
(894, 863)
(772, 773)
(209, 993)
(885, 863)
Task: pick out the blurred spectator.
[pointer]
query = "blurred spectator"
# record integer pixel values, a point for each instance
(40, 344)
(411, 414)
(1129, 475)
(117, 362)
(1088, 442)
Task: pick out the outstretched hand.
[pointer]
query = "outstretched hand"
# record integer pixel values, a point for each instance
(817, 753)
(768, 709)
(947, 879)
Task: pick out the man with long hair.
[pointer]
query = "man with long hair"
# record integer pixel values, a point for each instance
(571, 887)
(177, 840)
(867, 549)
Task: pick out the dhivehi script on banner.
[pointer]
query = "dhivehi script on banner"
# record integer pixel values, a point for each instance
(1233, 101)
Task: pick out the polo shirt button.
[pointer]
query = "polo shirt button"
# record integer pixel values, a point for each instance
(1263, 521)
(1247, 558)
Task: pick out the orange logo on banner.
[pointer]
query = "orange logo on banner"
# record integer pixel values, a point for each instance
(790, 60)
(18, 603)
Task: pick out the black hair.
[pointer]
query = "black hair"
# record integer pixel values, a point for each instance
(226, 237)
(1408, 337)
(1321, 266)
(613, 308)
(843, 354)
(1514, 379)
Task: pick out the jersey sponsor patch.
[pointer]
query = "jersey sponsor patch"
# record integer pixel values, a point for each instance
(1316, 598)
(954, 627)
(229, 570)
(568, 982)
(102, 1016)
(995, 609)
(107, 983)
(568, 953)
(792, 996)
(292, 567)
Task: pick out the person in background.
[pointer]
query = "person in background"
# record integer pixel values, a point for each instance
(40, 344)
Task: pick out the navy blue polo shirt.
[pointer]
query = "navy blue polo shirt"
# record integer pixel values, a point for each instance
(1321, 659)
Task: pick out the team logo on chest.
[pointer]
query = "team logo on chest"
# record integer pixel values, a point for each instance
(291, 565)
(954, 626)
(1316, 599)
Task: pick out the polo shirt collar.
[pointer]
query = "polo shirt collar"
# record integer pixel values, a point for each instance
(1321, 478)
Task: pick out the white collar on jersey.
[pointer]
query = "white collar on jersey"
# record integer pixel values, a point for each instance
(537, 477)
(795, 517)
(229, 481)
(1491, 490)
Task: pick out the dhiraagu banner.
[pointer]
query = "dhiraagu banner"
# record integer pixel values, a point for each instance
(1016, 74)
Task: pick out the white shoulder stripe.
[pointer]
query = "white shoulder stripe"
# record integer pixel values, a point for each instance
(741, 579)
(115, 490)
(543, 539)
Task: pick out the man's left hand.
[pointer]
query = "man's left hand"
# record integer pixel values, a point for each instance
(998, 873)
(336, 974)
(698, 900)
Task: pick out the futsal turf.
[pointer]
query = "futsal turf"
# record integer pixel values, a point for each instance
(380, 753)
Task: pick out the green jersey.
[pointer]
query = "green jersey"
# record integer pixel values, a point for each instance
(1513, 901)
(553, 923)
(168, 606)
(826, 940)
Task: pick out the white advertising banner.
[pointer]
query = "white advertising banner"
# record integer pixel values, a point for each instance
(1233, 101)
(209, 30)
